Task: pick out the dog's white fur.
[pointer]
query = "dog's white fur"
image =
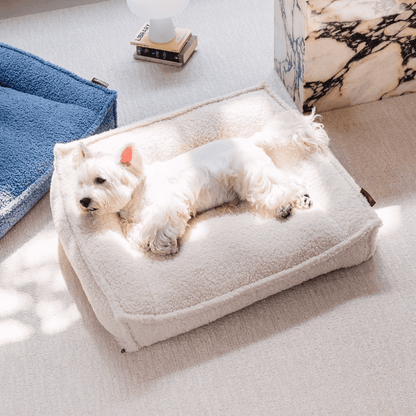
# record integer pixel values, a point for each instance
(155, 202)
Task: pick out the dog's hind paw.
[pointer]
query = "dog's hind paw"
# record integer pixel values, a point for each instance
(303, 202)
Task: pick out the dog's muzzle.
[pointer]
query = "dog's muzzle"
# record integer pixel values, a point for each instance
(85, 202)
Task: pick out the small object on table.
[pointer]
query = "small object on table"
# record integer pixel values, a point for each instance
(175, 53)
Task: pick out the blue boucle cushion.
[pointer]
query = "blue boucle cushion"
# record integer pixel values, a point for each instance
(41, 105)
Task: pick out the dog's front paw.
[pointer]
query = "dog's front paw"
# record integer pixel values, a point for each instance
(164, 247)
(303, 202)
(284, 211)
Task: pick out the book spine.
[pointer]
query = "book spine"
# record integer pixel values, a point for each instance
(158, 54)
(142, 32)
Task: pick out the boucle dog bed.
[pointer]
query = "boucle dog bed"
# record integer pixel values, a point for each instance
(40, 105)
(229, 257)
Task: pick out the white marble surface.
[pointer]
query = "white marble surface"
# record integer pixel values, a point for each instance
(289, 45)
(325, 11)
(353, 51)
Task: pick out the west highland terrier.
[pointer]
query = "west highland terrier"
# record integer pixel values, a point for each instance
(155, 202)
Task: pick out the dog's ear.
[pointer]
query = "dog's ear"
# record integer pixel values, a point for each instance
(130, 158)
(80, 154)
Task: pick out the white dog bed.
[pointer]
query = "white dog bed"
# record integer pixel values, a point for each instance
(229, 257)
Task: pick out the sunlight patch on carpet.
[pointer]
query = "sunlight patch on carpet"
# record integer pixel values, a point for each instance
(55, 317)
(12, 302)
(12, 330)
(392, 219)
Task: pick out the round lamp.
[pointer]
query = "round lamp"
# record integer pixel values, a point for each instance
(159, 12)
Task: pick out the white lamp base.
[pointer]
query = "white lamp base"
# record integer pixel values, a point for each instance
(161, 30)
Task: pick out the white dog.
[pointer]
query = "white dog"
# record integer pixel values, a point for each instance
(155, 202)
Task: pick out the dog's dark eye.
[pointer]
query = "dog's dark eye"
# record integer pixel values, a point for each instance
(99, 180)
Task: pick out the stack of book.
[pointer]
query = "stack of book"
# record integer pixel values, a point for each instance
(176, 53)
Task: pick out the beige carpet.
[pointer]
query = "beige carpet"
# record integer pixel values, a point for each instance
(341, 344)
(16, 8)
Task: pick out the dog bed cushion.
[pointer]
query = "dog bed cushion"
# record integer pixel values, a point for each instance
(229, 257)
(40, 105)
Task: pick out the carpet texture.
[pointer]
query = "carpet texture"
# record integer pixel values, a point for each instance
(41, 105)
(339, 345)
(15, 8)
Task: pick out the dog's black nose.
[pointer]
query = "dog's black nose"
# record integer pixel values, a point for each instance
(85, 202)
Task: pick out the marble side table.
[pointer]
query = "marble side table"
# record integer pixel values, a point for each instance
(338, 53)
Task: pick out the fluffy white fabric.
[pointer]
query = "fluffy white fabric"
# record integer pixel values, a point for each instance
(230, 257)
(155, 202)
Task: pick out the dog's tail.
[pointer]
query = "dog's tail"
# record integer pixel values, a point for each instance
(291, 128)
